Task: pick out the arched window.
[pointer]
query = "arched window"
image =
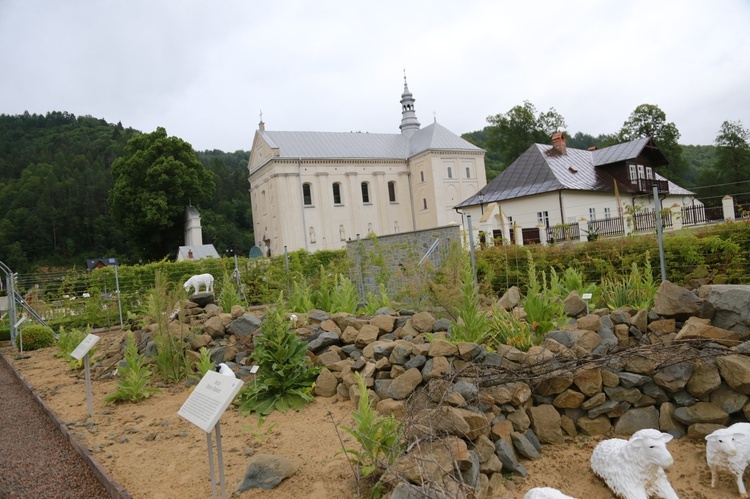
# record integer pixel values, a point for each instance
(392, 191)
(307, 194)
(336, 193)
(365, 192)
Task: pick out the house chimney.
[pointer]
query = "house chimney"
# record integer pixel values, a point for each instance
(558, 142)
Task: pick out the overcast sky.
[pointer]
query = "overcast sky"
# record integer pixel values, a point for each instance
(204, 70)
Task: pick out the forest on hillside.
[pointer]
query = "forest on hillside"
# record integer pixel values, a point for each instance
(55, 184)
(77, 187)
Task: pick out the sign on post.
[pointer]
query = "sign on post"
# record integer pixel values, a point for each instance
(82, 352)
(210, 399)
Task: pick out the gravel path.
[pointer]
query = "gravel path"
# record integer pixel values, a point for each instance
(36, 460)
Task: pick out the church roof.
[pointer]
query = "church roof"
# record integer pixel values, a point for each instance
(351, 145)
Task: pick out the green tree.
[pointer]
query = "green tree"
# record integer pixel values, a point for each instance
(648, 120)
(154, 181)
(733, 154)
(510, 134)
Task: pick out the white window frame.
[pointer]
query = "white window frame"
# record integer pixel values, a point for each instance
(649, 173)
(633, 174)
(607, 213)
(592, 214)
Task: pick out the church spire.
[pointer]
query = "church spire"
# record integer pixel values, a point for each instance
(409, 122)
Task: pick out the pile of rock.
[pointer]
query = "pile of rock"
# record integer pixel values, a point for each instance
(680, 367)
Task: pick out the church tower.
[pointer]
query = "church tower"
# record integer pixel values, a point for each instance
(409, 122)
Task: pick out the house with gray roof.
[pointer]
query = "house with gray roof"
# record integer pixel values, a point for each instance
(317, 190)
(552, 191)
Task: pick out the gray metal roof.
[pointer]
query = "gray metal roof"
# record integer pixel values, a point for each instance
(342, 145)
(541, 169)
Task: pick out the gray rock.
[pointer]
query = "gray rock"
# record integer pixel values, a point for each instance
(266, 471)
(632, 380)
(676, 302)
(510, 298)
(325, 340)
(504, 451)
(701, 412)
(637, 419)
(574, 305)
(683, 398)
(245, 325)
(728, 400)
(523, 446)
(674, 378)
(468, 391)
(416, 362)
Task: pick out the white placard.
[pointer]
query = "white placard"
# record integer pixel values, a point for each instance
(253, 369)
(210, 399)
(83, 347)
(587, 296)
(20, 321)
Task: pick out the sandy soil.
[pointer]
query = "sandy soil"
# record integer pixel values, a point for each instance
(156, 454)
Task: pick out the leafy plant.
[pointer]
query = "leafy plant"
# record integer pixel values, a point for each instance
(323, 296)
(34, 337)
(171, 359)
(376, 302)
(571, 279)
(345, 297)
(229, 295)
(472, 324)
(509, 329)
(285, 373)
(544, 310)
(204, 363)
(259, 432)
(380, 438)
(301, 298)
(133, 384)
(637, 289)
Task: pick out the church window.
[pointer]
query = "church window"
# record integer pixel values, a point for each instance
(468, 172)
(450, 172)
(336, 193)
(365, 192)
(307, 194)
(392, 191)
(421, 176)
(424, 203)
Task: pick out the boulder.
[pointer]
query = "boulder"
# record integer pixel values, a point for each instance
(677, 302)
(510, 298)
(266, 471)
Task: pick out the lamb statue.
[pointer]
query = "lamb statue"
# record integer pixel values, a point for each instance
(199, 280)
(728, 449)
(634, 469)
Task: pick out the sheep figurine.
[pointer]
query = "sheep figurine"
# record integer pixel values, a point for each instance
(728, 449)
(545, 493)
(634, 469)
(199, 280)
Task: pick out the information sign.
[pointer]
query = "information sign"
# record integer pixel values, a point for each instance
(210, 399)
(83, 347)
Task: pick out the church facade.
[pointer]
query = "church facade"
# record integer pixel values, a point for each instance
(317, 190)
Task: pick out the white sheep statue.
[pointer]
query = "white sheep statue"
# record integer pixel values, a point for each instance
(545, 493)
(199, 280)
(634, 469)
(728, 449)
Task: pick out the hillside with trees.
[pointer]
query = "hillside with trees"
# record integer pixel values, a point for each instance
(56, 178)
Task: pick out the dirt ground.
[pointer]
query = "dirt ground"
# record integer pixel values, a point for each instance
(156, 454)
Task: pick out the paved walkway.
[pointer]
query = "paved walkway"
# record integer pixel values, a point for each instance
(36, 459)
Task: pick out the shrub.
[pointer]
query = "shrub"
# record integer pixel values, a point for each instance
(34, 337)
(285, 374)
(229, 295)
(637, 289)
(544, 310)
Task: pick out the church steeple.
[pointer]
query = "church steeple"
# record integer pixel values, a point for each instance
(409, 122)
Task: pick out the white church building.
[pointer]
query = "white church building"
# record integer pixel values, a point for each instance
(317, 190)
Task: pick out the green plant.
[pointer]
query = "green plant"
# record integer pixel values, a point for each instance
(285, 373)
(376, 302)
(229, 295)
(544, 310)
(508, 329)
(301, 298)
(34, 337)
(204, 363)
(323, 296)
(171, 359)
(67, 341)
(133, 384)
(472, 324)
(571, 279)
(380, 438)
(637, 289)
(345, 297)
(259, 432)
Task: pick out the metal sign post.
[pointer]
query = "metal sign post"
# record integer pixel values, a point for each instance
(20, 336)
(82, 352)
(204, 407)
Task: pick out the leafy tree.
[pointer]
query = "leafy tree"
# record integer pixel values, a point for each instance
(510, 134)
(733, 154)
(648, 120)
(493, 162)
(156, 179)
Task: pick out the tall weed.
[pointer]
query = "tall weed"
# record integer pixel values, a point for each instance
(545, 310)
(637, 289)
(472, 324)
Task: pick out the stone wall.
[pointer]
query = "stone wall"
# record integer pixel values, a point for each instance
(398, 251)
(681, 367)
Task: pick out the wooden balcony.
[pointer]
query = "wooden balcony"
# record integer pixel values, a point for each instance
(647, 185)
